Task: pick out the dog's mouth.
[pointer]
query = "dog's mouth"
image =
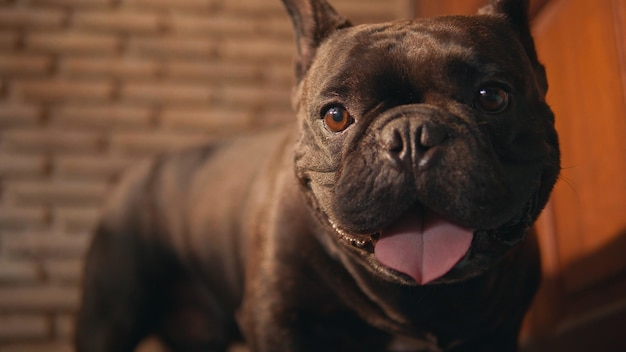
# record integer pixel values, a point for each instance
(422, 246)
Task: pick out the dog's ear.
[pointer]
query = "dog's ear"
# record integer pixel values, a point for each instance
(313, 21)
(516, 14)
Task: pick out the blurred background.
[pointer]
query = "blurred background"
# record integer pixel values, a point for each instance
(89, 87)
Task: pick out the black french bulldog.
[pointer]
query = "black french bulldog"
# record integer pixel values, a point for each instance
(393, 216)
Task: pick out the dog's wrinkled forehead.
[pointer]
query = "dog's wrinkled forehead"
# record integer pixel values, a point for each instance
(426, 53)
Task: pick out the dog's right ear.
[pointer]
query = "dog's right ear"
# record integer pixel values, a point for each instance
(516, 14)
(313, 21)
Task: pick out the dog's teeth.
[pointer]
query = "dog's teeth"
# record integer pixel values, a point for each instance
(344, 236)
(359, 243)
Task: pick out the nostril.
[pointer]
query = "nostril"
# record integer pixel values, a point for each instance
(394, 147)
(395, 144)
(431, 135)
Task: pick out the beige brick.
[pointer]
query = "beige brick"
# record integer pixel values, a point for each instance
(210, 120)
(217, 25)
(18, 115)
(25, 65)
(145, 143)
(66, 193)
(23, 327)
(277, 74)
(255, 49)
(117, 21)
(125, 68)
(274, 117)
(278, 27)
(74, 3)
(18, 272)
(49, 141)
(375, 11)
(272, 97)
(31, 18)
(38, 299)
(86, 167)
(21, 166)
(63, 271)
(171, 47)
(212, 72)
(255, 8)
(166, 93)
(52, 346)
(8, 39)
(102, 117)
(73, 220)
(64, 326)
(239, 72)
(72, 42)
(44, 245)
(64, 90)
(185, 5)
(230, 25)
(22, 218)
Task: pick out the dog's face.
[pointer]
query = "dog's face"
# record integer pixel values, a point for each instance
(426, 147)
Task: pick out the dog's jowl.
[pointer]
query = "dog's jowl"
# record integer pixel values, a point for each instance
(393, 214)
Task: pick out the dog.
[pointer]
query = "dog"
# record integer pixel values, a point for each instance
(394, 214)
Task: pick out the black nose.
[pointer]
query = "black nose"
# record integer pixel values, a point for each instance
(431, 135)
(411, 143)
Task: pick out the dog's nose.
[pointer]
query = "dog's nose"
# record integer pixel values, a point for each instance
(430, 135)
(408, 143)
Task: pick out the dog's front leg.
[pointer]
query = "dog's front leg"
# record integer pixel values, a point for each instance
(117, 309)
(276, 326)
(293, 302)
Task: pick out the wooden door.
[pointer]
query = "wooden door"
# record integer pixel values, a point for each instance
(581, 305)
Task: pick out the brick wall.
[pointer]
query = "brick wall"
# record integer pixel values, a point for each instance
(88, 87)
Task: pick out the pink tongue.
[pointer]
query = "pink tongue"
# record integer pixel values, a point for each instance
(424, 247)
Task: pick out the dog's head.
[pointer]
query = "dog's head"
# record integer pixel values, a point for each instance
(426, 146)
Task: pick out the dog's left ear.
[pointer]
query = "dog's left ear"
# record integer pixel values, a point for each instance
(516, 14)
(313, 21)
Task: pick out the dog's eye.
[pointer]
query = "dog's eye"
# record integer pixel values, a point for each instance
(491, 99)
(337, 118)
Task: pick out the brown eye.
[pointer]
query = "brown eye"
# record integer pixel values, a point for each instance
(491, 100)
(337, 119)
